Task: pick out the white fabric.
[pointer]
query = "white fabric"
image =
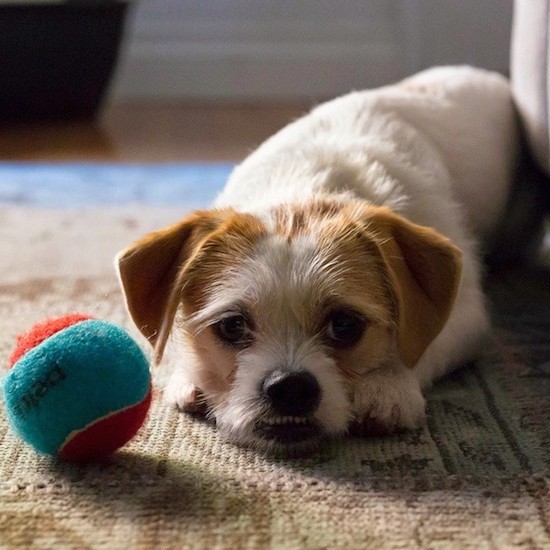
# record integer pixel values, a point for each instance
(530, 57)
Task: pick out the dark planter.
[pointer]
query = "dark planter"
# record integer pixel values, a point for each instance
(56, 60)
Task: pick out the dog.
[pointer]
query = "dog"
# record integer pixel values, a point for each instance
(339, 272)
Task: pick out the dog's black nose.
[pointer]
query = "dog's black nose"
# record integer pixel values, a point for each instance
(292, 393)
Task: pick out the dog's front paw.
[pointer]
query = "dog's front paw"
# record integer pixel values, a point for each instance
(388, 403)
(184, 395)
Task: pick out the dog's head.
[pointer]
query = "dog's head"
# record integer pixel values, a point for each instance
(286, 311)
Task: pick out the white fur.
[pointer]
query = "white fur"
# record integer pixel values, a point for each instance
(440, 149)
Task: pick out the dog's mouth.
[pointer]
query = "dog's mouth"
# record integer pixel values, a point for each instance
(287, 430)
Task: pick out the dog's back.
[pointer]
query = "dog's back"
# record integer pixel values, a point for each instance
(448, 131)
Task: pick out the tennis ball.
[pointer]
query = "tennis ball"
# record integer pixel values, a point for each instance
(78, 389)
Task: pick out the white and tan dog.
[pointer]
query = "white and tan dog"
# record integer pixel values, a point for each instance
(338, 273)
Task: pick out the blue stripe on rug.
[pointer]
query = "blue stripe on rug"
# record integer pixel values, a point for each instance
(70, 185)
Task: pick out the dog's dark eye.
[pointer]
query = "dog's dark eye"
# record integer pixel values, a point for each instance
(233, 330)
(345, 328)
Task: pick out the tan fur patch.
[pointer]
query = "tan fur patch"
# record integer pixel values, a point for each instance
(364, 279)
(295, 220)
(424, 270)
(220, 251)
(181, 260)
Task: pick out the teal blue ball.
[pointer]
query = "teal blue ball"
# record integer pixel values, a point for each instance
(81, 393)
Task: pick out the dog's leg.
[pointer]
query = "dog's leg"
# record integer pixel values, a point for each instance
(183, 394)
(387, 400)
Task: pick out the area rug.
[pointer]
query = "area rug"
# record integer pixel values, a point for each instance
(476, 476)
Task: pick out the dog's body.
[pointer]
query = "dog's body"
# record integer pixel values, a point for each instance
(327, 288)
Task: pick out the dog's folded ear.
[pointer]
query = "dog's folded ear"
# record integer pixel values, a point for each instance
(149, 272)
(425, 270)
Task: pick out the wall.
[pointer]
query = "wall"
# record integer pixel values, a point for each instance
(280, 49)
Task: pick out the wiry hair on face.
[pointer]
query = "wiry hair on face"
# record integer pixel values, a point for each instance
(259, 294)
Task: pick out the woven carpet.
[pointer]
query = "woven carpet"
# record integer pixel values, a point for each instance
(475, 477)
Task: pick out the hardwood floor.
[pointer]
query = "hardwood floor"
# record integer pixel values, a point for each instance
(150, 132)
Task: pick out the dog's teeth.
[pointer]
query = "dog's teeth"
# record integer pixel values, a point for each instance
(283, 420)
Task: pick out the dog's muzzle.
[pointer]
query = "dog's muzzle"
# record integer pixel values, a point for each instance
(292, 397)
